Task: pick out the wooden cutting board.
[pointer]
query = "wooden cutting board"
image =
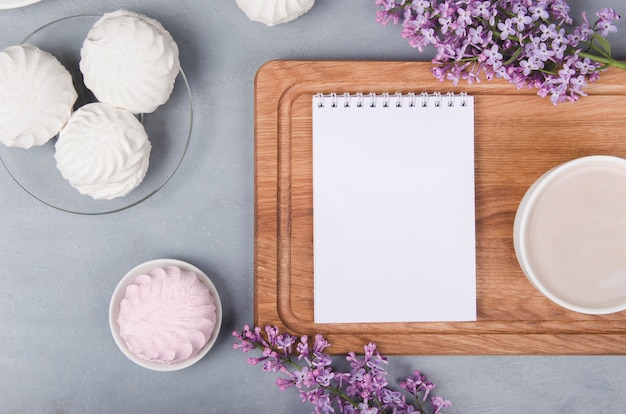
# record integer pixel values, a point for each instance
(518, 136)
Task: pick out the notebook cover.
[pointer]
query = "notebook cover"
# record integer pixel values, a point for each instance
(393, 208)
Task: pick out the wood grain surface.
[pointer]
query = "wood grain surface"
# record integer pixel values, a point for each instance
(518, 136)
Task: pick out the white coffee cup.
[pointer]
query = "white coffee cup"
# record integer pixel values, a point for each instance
(570, 234)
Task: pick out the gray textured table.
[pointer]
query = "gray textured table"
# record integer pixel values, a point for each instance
(59, 270)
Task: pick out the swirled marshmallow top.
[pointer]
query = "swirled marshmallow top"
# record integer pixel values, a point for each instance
(36, 96)
(167, 315)
(103, 151)
(130, 61)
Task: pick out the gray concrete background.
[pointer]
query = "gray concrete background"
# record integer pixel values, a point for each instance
(58, 270)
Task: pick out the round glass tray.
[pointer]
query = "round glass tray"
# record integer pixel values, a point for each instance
(168, 128)
(14, 4)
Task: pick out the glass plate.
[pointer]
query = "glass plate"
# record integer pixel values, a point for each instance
(14, 4)
(168, 128)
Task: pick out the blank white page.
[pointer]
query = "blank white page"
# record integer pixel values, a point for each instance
(393, 208)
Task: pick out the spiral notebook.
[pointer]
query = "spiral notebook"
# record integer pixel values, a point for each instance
(393, 208)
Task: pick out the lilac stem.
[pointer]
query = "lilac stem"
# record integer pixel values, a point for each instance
(607, 61)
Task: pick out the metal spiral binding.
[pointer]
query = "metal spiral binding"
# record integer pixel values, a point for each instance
(387, 100)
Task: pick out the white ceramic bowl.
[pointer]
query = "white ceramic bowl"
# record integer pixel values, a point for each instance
(118, 295)
(570, 234)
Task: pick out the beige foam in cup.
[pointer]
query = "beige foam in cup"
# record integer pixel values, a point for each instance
(570, 234)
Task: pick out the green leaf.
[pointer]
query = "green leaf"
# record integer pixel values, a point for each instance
(601, 45)
(517, 54)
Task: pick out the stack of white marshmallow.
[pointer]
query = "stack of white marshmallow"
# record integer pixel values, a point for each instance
(130, 63)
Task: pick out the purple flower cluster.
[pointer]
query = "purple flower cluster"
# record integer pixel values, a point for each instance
(363, 389)
(530, 43)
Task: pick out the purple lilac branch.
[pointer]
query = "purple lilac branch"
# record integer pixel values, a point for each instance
(530, 43)
(308, 368)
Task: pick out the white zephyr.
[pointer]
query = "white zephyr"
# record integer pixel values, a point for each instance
(36, 96)
(130, 60)
(103, 151)
(272, 12)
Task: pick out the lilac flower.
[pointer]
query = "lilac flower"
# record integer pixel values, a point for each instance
(585, 66)
(476, 36)
(304, 378)
(427, 388)
(605, 23)
(420, 5)
(254, 361)
(413, 382)
(607, 14)
(542, 52)
(364, 389)
(303, 347)
(482, 9)
(321, 360)
(271, 365)
(364, 408)
(530, 64)
(558, 38)
(506, 29)
(464, 19)
(530, 43)
(447, 24)
(521, 20)
(539, 11)
(285, 342)
(546, 31)
(323, 376)
(391, 398)
(320, 343)
(439, 404)
(561, 11)
(492, 56)
(284, 383)
(272, 334)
